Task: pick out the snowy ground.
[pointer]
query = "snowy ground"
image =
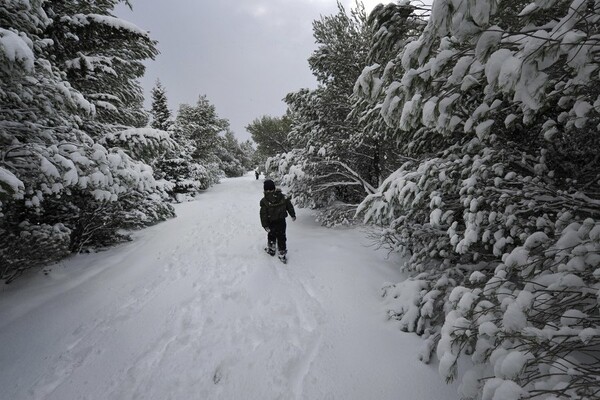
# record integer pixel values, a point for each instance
(194, 309)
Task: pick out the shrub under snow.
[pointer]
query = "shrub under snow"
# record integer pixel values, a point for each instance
(495, 106)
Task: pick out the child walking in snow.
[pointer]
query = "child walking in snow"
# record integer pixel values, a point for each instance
(274, 208)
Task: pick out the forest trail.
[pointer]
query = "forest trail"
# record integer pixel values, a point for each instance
(194, 309)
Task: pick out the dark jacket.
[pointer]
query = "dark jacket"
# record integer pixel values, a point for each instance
(275, 206)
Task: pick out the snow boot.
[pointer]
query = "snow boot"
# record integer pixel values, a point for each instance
(270, 249)
(282, 256)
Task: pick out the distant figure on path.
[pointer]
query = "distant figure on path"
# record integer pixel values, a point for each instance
(274, 208)
(256, 173)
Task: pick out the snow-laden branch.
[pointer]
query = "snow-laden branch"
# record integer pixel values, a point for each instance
(369, 189)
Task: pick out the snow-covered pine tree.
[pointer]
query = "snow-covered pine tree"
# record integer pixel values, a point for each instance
(199, 126)
(394, 26)
(54, 177)
(248, 155)
(194, 163)
(498, 211)
(161, 115)
(230, 156)
(328, 173)
(171, 151)
(151, 146)
(30, 93)
(103, 58)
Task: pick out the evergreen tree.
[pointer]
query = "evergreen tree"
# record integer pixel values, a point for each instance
(229, 155)
(38, 116)
(185, 177)
(247, 155)
(205, 151)
(161, 115)
(270, 135)
(103, 59)
(497, 205)
(61, 189)
(201, 125)
(394, 26)
(196, 164)
(329, 173)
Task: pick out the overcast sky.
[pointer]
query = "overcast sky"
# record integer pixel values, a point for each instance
(244, 55)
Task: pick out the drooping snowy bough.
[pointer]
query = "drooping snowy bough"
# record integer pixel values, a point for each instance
(497, 106)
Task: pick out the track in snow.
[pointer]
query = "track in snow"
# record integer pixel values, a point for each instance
(194, 309)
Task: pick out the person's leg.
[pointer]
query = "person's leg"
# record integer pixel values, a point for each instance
(271, 240)
(280, 235)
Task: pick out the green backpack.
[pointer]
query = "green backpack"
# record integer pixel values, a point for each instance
(276, 206)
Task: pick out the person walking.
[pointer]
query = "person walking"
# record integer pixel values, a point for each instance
(274, 208)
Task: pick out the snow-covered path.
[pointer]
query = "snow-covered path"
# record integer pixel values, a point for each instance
(194, 309)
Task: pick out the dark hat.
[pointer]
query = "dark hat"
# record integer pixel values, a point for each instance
(268, 185)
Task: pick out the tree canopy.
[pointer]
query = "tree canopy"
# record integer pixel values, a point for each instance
(270, 135)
